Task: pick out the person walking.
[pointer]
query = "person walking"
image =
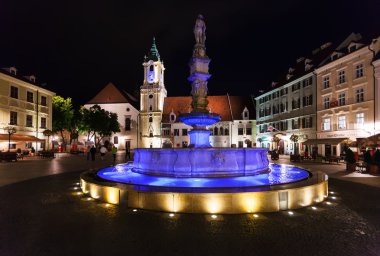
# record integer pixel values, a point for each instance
(93, 152)
(103, 152)
(88, 149)
(114, 151)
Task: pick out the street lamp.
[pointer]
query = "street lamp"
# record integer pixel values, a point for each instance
(10, 130)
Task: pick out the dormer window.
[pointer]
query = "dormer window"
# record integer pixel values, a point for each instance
(245, 114)
(308, 67)
(13, 70)
(288, 76)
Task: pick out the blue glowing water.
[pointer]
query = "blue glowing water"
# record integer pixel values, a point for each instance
(279, 174)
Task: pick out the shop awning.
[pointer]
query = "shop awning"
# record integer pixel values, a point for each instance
(17, 137)
(334, 141)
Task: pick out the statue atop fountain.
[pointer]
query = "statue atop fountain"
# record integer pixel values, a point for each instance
(200, 116)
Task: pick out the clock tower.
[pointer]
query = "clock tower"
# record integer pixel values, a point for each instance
(152, 95)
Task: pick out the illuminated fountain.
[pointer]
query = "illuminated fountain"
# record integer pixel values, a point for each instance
(202, 179)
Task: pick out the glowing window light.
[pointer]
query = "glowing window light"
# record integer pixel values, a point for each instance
(75, 188)
(291, 213)
(332, 192)
(314, 208)
(333, 197)
(77, 183)
(88, 198)
(108, 205)
(78, 193)
(214, 216)
(328, 203)
(171, 215)
(134, 210)
(325, 196)
(255, 215)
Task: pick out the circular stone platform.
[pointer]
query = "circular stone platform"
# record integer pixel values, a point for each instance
(222, 200)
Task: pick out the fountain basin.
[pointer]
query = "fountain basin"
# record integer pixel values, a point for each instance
(269, 192)
(199, 119)
(208, 162)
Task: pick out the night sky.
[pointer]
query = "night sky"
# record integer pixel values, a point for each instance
(77, 47)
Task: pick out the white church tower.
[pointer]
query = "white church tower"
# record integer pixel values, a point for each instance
(152, 95)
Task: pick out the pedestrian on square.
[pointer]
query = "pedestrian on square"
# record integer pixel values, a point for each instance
(103, 152)
(93, 152)
(114, 151)
(88, 149)
(127, 153)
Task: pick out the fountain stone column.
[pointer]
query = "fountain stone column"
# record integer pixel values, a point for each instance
(200, 117)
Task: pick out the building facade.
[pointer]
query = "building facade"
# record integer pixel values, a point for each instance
(114, 100)
(346, 95)
(26, 107)
(286, 113)
(236, 128)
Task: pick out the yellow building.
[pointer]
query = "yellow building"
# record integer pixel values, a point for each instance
(346, 95)
(25, 107)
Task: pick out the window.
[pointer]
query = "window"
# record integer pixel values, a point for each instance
(166, 132)
(245, 114)
(326, 82)
(248, 131)
(359, 70)
(184, 132)
(150, 119)
(216, 130)
(29, 97)
(295, 124)
(326, 102)
(342, 99)
(307, 122)
(226, 131)
(176, 132)
(13, 118)
(341, 122)
(360, 95)
(221, 130)
(29, 121)
(172, 118)
(151, 134)
(240, 131)
(150, 108)
(28, 145)
(43, 122)
(14, 92)
(307, 100)
(341, 77)
(360, 120)
(240, 144)
(116, 140)
(43, 101)
(127, 123)
(326, 124)
(150, 96)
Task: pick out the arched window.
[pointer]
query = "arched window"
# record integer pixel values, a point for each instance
(150, 119)
(151, 68)
(215, 130)
(150, 108)
(226, 131)
(221, 130)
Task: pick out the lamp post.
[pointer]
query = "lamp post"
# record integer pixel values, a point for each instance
(10, 130)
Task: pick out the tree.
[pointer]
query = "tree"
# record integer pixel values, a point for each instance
(62, 116)
(98, 123)
(47, 133)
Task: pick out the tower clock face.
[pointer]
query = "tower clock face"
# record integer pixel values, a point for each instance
(150, 76)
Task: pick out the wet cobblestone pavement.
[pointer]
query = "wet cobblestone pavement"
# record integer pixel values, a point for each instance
(46, 216)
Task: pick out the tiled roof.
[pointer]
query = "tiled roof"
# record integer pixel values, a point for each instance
(111, 94)
(217, 104)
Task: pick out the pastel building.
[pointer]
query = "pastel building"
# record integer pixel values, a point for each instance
(347, 94)
(118, 101)
(26, 107)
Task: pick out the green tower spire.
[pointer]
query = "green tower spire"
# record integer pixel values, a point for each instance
(154, 55)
